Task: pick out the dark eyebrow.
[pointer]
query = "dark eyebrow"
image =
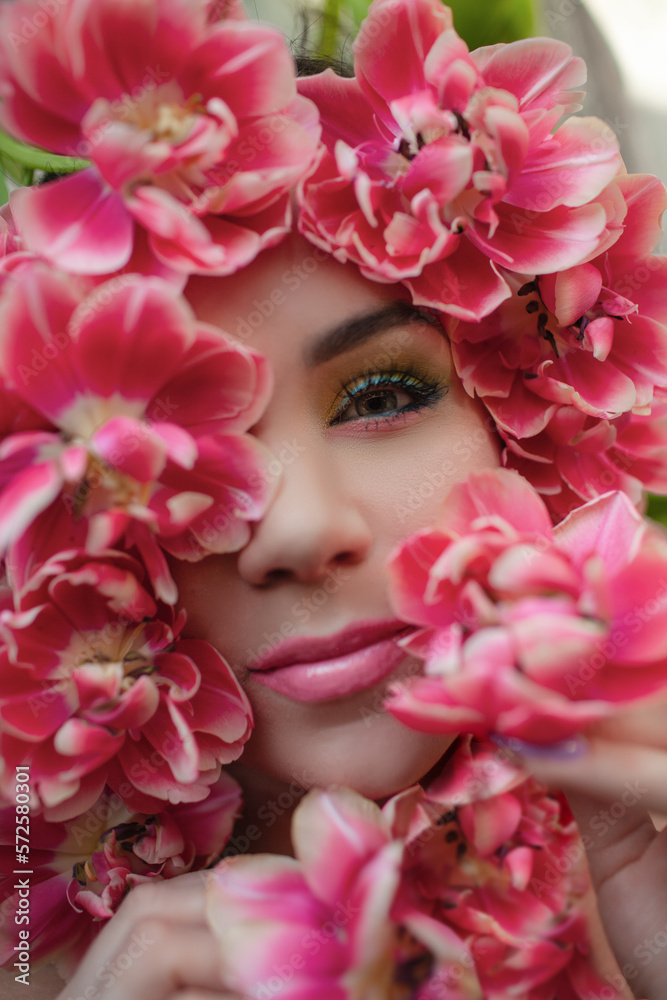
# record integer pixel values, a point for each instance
(357, 330)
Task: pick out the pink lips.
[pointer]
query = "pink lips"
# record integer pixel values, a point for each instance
(328, 667)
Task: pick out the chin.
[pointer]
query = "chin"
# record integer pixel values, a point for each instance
(368, 751)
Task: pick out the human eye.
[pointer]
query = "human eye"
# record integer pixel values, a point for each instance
(385, 398)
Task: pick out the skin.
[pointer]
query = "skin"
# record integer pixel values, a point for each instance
(352, 491)
(346, 496)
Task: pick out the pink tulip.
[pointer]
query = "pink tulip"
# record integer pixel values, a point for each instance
(127, 420)
(498, 859)
(573, 368)
(189, 116)
(528, 630)
(442, 165)
(322, 925)
(471, 888)
(83, 868)
(97, 687)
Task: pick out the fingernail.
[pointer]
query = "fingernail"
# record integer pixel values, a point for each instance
(569, 749)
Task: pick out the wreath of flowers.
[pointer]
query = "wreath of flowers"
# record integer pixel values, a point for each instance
(124, 438)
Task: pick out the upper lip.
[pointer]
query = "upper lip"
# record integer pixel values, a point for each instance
(313, 648)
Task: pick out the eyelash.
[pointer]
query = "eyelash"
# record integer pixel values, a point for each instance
(427, 392)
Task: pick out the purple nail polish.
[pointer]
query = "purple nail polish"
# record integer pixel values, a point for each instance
(569, 749)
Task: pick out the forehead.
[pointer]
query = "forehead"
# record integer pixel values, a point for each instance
(287, 294)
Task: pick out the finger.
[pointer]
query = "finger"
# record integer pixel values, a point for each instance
(157, 959)
(608, 770)
(644, 723)
(628, 864)
(614, 835)
(202, 995)
(181, 899)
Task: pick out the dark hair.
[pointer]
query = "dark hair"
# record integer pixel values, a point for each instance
(305, 46)
(309, 65)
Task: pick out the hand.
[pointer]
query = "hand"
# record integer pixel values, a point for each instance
(156, 947)
(622, 757)
(611, 785)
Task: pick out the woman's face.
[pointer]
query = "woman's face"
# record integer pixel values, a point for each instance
(371, 427)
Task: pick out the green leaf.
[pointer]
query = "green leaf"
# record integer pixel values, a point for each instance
(19, 173)
(330, 24)
(18, 154)
(479, 22)
(4, 192)
(484, 23)
(657, 509)
(358, 9)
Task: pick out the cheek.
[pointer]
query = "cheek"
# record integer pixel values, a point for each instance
(208, 590)
(411, 495)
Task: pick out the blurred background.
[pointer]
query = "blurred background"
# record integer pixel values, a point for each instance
(622, 42)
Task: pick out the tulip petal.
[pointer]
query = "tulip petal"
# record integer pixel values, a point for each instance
(77, 223)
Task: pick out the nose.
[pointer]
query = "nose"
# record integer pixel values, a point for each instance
(315, 523)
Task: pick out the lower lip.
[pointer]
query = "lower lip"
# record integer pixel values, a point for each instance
(334, 678)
